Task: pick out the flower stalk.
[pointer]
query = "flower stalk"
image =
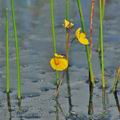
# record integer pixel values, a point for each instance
(91, 25)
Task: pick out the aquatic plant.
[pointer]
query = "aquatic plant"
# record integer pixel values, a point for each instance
(59, 62)
(101, 3)
(81, 37)
(68, 31)
(17, 49)
(7, 55)
(68, 25)
(53, 32)
(90, 106)
(91, 77)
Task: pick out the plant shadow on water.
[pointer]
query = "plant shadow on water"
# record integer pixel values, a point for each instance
(36, 77)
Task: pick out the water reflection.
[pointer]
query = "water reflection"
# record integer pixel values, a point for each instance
(59, 109)
(9, 106)
(90, 106)
(69, 91)
(115, 86)
(117, 100)
(58, 106)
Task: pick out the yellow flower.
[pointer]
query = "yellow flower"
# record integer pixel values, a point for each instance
(81, 37)
(59, 62)
(67, 24)
(77, 33)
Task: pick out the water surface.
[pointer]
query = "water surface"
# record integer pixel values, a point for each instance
(38, 89)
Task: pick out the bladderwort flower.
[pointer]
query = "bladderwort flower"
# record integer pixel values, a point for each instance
(67, 24)
(59, 62)
(81, 37)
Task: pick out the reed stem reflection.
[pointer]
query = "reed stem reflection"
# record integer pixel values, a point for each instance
(9, 106)
(90, 106)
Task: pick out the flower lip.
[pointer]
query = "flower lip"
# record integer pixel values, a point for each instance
(81, 37)
(84, 41)
(59, 62)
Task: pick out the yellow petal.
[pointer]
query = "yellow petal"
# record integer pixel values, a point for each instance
(82, 35)
(58, 55)
(68, 24)
(84, 41)
(77, 33)
(59, 64)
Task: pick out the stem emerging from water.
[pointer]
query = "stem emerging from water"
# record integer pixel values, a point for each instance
(17, 49)
(87, 48)
(53, 33)
(101, 42)
(7, 56)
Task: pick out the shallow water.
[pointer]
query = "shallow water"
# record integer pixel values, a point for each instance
(38, 89)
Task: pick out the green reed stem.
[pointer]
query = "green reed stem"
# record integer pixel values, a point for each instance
(87, 48)
(81, 15)
(53, 31)
(103, 7)
(17, 49)
(7, 56)
(67, 9)
(101, 43)
(53, 24)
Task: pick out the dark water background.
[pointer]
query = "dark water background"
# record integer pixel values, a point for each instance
(38, 89)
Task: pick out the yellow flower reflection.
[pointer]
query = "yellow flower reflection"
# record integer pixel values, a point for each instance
(81, 37)
(59, 62)
(67, 24)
